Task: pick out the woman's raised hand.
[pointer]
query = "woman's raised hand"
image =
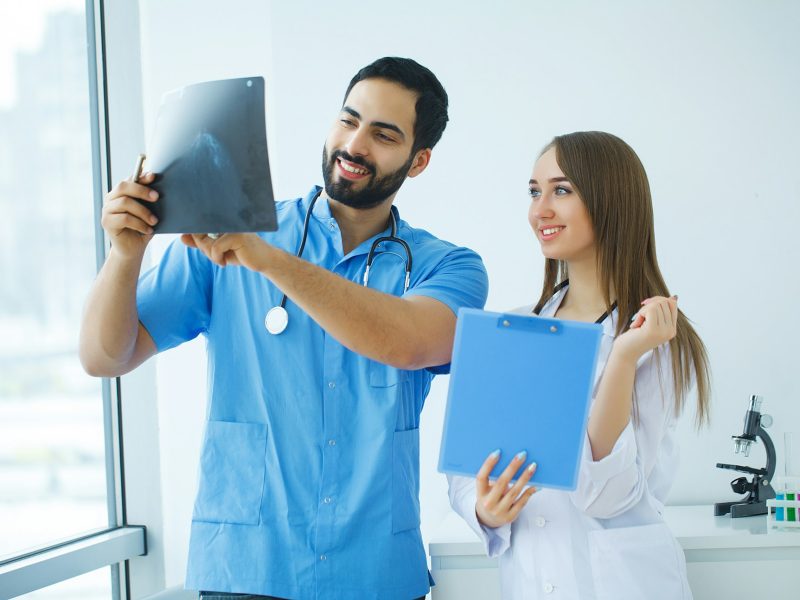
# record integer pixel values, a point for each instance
(655, 324)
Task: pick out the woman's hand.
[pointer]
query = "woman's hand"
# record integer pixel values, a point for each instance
(497, 504)
(654, 325)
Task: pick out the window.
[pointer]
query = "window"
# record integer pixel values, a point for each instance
(59, 523)
(52, 454)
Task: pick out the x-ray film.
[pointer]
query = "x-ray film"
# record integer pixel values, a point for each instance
(209, 154)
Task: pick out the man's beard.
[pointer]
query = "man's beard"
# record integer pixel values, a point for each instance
(373, 194)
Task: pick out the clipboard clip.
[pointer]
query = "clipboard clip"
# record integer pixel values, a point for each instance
(532, 323)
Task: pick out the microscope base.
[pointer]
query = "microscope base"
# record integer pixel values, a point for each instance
(740, 509)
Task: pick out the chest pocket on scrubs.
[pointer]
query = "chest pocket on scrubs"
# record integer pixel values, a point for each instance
(232, 471)
(631, 563)
(393, 385)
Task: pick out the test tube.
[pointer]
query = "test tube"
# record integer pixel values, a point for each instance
(790, 470)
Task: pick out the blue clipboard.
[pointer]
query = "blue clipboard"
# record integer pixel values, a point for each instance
(517, 383)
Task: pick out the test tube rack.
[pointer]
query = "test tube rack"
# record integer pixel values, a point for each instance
(783, 511)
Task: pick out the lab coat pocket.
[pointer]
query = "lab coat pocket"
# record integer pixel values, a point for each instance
(631, 563)
(405, 480)
(232, 471)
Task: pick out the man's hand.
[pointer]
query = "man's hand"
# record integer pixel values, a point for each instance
(112, 341)
(231, 249)
(128, 223)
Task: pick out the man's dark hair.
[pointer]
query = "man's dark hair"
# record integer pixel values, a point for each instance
(431, 107)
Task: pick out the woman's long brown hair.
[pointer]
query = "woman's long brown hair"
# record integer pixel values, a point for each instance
(610, 179)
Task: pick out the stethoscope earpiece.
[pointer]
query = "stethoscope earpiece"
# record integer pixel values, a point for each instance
(277, 318)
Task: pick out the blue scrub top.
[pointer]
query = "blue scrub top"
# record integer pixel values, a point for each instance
(309, 473)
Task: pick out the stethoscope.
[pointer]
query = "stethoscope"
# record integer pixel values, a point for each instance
(560, 287)
(277, 318)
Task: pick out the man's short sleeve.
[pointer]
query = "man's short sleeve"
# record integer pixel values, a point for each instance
(458, 280)
(174, 297)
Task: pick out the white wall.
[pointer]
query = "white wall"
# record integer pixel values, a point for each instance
(706, 92)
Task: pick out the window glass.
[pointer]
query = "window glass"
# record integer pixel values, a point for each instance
(52, 454)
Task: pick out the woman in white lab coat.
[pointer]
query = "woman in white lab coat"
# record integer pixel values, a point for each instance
(592, 214)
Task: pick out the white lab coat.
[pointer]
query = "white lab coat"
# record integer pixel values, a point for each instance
(607, 539)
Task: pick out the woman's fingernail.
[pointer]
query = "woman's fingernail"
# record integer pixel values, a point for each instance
(532, 467)
(495, 454)
(153, 194)
(521, 455)
(675, 296)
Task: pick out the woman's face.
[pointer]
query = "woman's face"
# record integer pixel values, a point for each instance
(557, 214)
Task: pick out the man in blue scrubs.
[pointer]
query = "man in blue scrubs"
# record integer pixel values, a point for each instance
(309, 474)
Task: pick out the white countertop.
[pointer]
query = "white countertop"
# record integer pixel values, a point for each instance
(695, 527)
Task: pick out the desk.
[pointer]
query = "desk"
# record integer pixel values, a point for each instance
(726, 558)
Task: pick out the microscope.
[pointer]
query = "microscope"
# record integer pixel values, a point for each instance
(759, 489)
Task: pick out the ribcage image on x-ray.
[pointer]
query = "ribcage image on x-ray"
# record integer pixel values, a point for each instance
(209, 153)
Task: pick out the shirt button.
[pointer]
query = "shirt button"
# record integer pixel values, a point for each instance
(331, 384)
(327, 499)
(540, 521)
(548, 588)
(323, 557)
(331, 442)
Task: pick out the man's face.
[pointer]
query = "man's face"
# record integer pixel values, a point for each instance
(367, 155)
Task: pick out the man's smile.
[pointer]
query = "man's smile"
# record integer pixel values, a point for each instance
(351, 170)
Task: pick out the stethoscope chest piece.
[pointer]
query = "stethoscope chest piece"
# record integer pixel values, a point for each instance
(276, 320)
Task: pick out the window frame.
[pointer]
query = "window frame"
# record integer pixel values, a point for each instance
(132, 473)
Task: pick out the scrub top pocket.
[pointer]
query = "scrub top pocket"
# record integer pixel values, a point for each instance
(405, 480)
(232, 471)
(388, 384)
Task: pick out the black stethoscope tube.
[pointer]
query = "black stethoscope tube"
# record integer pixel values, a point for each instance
(277, 318)
(560, 287)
